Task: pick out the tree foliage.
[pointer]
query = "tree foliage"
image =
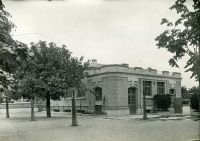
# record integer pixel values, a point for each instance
(184, 92)
(194, 97)
(194, 100)
(53, 70)
(193, 90)
(183, 36)
(162, 101)
(56, 67)
(11, 52)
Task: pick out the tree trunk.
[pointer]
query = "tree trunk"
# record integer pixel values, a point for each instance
(74, 117)
(199, 76)
(199, 95)
(7, 108)
(144, 108)
(32, 110)
(48, 105)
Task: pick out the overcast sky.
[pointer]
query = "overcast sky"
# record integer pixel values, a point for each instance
(111, 31)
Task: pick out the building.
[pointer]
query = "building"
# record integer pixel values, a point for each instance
(118, 89)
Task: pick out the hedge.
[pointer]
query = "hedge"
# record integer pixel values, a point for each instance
(162, 101)
(194, 101)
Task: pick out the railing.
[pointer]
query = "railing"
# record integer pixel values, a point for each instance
(20, 105)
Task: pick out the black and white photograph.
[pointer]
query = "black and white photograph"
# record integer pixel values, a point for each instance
(99, 70)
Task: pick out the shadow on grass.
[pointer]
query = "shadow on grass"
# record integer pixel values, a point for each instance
(21, 118)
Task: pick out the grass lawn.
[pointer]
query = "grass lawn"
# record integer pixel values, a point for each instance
(58, 128)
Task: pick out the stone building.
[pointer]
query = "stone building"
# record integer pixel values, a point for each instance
(118, 89)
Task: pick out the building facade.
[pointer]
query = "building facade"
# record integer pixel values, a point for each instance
(118, 89)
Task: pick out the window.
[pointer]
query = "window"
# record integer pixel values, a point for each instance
(172, 92)
(131, 96)
(160, 88)
(81, 90)
(81, 93)
(98, 92)
(68, 95)
(147, 88)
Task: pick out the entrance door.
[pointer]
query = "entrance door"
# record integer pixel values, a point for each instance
(98, 109)
(132, 100)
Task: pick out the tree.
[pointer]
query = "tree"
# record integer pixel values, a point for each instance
(6, 89)
(11, 53)
(55, 68)
(28, 85)
(194, 97)
(32, 90)
(182, 37)
(194, 90)
(184, 92)
(194, 101)
(1, 98)
(73, 92)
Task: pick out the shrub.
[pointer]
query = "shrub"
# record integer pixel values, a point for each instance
(185, 101)
(88, 112)
(80, 111)
(67, 110)
(56, 110)
(1, 99)
(162, 101)
(194, 101)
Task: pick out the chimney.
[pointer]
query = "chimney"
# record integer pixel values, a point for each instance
(93, 63)
(94, 60)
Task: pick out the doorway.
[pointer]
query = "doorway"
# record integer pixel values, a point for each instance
(132, 100)
(98, 109)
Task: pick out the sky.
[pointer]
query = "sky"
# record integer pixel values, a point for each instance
(111, 31)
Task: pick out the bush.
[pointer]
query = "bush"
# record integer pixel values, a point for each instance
(162, 101)
(186, 101)
(88, 112)
(56, 110)
(1, 99)
(67, 110)
(194, 102)
(80, 111)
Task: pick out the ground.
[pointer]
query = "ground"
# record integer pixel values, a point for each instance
(95, 128)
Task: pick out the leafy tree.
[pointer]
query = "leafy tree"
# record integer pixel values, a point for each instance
(11, 53)
(32, 90)
(1, 98)
(182, 37)
(194, 101)
(184, 92)
(29, 85)
(56, 69)
(194, 90)
(194, 98)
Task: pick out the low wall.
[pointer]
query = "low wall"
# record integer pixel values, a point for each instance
(120, 112)
(19, 105)
(19, 110)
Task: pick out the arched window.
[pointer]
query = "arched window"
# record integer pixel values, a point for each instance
(98, 93)
(172, 92)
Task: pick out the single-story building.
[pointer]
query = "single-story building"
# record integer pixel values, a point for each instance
(117, 89)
